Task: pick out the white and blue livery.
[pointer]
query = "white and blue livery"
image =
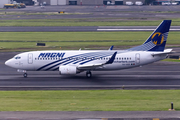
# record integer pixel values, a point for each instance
(76, 61)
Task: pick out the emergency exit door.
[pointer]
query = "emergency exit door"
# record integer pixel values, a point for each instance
(137, 58)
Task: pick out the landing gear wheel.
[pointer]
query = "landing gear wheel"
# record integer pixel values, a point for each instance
(88, 74)
(25, 75)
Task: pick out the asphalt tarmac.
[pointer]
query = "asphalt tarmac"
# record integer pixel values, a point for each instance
(96, 8)
(94, 12)
(159, 75)
(94, 115)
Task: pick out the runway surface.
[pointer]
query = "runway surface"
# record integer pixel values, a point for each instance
(159, 75)
(96, 8)
(95, 115)
(82, 28)
(93, 12)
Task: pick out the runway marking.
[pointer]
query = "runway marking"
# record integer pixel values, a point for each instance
(124, 29)
(175, 29)
(133, 29)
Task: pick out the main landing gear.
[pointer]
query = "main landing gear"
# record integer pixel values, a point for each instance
(25, 75)
(88, 74)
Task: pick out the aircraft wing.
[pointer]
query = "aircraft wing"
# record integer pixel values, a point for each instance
(93, 66)
(166, 51)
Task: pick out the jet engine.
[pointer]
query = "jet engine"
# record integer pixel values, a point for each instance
(68, 70)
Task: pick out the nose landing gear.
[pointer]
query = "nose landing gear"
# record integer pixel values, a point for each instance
(23, 71)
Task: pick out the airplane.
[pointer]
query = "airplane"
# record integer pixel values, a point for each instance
(72, 62)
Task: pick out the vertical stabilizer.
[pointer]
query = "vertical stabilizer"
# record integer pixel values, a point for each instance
(157, 40)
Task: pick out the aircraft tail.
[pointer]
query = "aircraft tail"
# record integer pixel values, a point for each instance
(157, 40)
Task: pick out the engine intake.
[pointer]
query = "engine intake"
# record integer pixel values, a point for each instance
(68, 70)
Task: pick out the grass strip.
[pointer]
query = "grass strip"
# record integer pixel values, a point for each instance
(75, 40)
(82, 22)
(81, 36)
(89, 100)
(71, 36)
(171, 60)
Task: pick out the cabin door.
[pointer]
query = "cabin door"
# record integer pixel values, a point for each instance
(30, 58)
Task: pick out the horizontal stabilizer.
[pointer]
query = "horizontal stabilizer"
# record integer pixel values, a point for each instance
(166, 51)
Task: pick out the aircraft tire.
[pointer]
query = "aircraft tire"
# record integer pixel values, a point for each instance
(25, 75)
(88, 74)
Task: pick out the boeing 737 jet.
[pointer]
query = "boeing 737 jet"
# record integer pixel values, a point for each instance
(76, 61)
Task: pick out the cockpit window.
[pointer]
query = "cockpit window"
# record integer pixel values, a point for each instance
(17, 57)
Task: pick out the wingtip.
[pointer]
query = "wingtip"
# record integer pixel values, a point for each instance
(111, 60)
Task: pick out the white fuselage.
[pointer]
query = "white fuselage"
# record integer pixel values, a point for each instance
(52, 60)
(73, 62)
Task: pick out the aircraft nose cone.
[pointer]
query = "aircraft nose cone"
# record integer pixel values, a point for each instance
(8, 63)
(12, 63)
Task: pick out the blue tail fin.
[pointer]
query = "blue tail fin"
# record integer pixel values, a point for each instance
(157, 40)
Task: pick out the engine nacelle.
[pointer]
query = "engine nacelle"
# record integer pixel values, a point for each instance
(68, 70)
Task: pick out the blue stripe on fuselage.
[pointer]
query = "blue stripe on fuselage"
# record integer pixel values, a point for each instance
(85, 55)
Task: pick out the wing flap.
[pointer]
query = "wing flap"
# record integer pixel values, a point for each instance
(89, 66)
(93, 66)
